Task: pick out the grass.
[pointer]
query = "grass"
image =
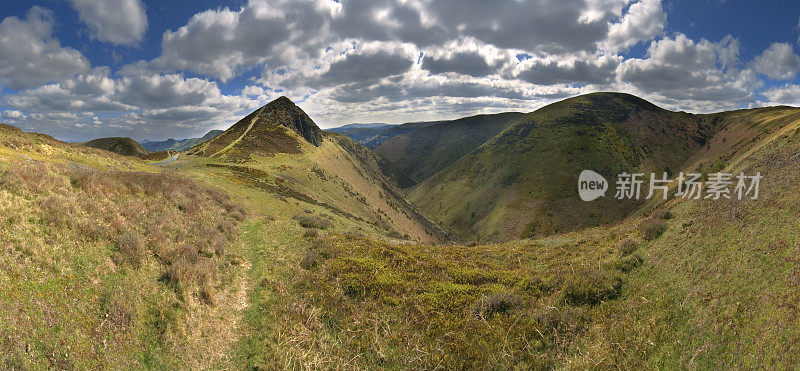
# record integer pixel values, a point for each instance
(426, 151)
(652, 228)
(364, 303)
(85, 249)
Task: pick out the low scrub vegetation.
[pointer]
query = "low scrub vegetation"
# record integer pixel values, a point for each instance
(312, 221)
(652, 228)
(365, 303)
(149, 248)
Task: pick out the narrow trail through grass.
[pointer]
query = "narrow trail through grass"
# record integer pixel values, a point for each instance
(239, 139)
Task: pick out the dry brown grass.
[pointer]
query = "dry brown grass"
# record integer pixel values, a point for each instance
(117, 234)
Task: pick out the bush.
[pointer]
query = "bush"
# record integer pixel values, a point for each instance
(663, 214)
(130, 249)
(311, 221)
(591, 287)
(496, 303)
(628, 263)
(311, 259)
(652, 228)
(311, 233)
(627, 246)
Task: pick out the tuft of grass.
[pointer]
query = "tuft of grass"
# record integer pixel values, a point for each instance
(130, 250)
(592, 286)
(663, 214)
(628, 263)
(652, 228)
(627, 246)
(495, 303)
(312, 221)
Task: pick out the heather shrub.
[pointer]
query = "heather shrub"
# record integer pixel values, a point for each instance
(652, 228)
(663, 214)
(495, 303)
(627, 246)
(312, 221)
(592, 286)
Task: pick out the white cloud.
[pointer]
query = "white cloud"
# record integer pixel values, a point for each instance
(778, 62)
(643, 21)
(142, 106)
(375, 60)
(13, 114)
(691, 75)
(119, 22)
(788, 94)
(29, 56)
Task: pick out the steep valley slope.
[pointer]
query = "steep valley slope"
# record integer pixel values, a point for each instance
(426, 151)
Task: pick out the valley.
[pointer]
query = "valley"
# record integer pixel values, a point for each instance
(462, 244)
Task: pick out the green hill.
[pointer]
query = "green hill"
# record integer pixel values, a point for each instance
(121, 145)
(280, 148)
(424, 152)
(523, 182)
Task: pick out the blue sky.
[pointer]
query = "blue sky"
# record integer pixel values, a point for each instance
(79, 69)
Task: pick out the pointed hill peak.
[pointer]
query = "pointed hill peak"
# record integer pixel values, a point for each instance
(292, 117)
(266, 131)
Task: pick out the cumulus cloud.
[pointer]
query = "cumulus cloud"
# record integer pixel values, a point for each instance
(157, 105)
(691, 74)
(13, 114)
(29, 56)
(788, 94)
(119, 22)
(778, 62)
(643, 21)
(587, 70)
(465, 63)
(371, 60)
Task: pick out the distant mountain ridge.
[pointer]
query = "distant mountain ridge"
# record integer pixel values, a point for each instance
(345, 128)
(372, 137)
(179, 145)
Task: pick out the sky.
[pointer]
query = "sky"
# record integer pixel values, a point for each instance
(151, 70)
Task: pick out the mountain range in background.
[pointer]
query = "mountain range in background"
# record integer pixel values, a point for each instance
(178, 145)
(348, 127)
(373, 136)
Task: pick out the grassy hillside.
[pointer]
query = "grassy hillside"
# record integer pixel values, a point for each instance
(424, 152)
(279, 148)
(108, 262)
(523, 182)
(121, 145)
(269, 130)
(718, 288)
(705, 284)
